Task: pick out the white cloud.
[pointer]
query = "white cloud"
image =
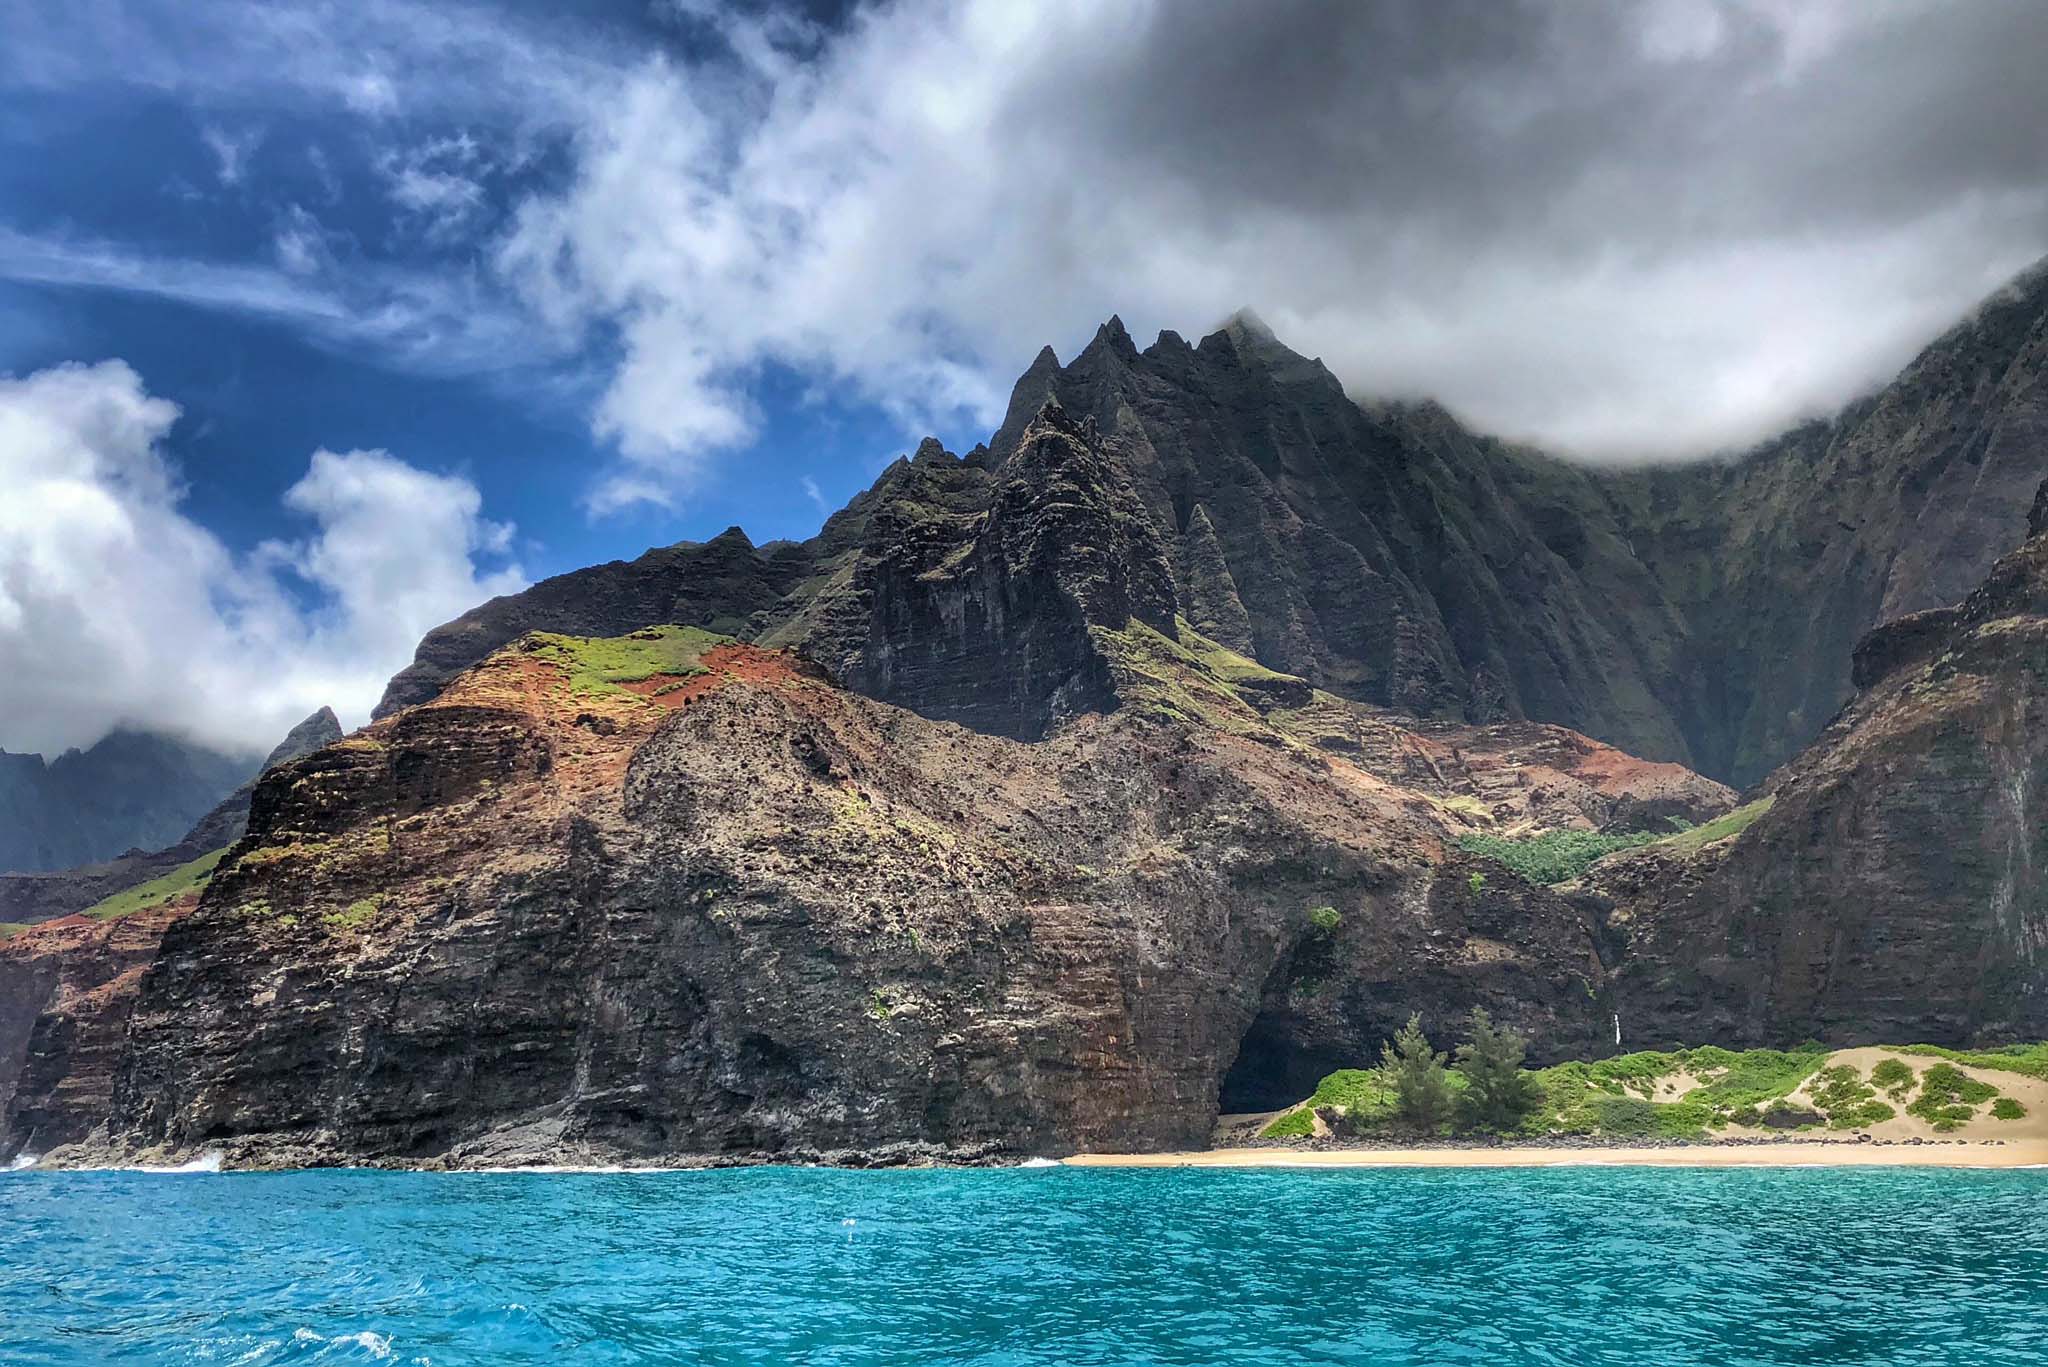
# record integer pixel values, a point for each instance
(437, 183)
(813, 493)
(1624, 233)
(117, 609)
(1623, 229)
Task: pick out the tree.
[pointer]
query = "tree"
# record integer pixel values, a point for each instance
(1498, 1095)
(1422, 1086)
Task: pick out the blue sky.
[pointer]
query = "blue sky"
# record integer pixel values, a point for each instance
(111, 172)
(321, 320)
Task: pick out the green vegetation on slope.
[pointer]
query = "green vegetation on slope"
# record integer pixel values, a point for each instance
(184, 878)
(1949, 1096)
(1369, 1098)
(599, 664)
(1720, 828)
(1708, 1088)
(1554, 856)
(1561, 856)
(1190, 680)
(2030, 1060)
(8, 928)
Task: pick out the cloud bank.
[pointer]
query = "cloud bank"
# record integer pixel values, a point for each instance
(1625, 229)
(1628, 231)
(117, 608)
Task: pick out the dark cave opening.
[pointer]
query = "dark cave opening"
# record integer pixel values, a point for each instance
(1274, 1068)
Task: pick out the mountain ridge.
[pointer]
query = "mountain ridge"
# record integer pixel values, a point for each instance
(1702, 613)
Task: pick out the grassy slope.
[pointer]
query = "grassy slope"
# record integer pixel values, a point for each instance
(1614, 1098)
(599, 664)
(1192, 680)
(1561, 856)
(184, 878)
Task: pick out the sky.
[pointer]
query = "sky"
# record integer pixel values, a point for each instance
(323, 320)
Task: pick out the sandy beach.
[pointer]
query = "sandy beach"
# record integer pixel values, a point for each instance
(1787, 1153)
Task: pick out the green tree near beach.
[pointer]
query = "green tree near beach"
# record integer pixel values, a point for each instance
(1498, 1095)
(1422, 1085)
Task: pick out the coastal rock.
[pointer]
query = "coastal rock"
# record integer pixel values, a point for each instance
(66, 991)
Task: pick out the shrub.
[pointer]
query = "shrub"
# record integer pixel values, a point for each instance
(1628, 1117)
(1752, 1077)
(1324, 919)
(1422, 1086)
(1477, 883)
(1848, 1103)
(2008, 1108)
(1554, 856)
(1299, 1123)
(1498, 1095)
(1894, 1076)
(1949, 1096)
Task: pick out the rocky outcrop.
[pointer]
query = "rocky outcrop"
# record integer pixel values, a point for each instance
(1897, 886)
(720, 585)
(66, 991)
(982, 617)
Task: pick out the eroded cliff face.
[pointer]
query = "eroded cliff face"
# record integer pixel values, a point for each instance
(67, 989)
(744, 913)
(976, 609)
(1897, 886)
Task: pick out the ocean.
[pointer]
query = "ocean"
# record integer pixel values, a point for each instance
(1573, 1267)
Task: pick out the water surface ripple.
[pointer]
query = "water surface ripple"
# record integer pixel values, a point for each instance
(1579, 1267)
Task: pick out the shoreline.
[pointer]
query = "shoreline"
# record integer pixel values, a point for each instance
(1961, 1153)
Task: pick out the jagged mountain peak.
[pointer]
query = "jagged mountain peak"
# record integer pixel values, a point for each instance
(1386, 553)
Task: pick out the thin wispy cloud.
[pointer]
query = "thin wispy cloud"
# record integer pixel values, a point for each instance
(432, 320)
(231, 151)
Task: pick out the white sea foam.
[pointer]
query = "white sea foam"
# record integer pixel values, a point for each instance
(1041, 1163)
(376, 1345)
(23, 1160)
(205, 1162)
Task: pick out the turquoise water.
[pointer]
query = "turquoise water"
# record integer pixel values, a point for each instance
(1584, 1266)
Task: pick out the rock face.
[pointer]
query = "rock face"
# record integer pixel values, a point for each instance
(26, 898)
(1897, 886)
(131, 791)
(66, 991)
(1701, 614)
(745, 913)
(982, 618)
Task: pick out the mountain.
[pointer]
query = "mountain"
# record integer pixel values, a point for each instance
(1128, 769)
(26, 898)
(672, 896)
(1702, 613)
(132, 790)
